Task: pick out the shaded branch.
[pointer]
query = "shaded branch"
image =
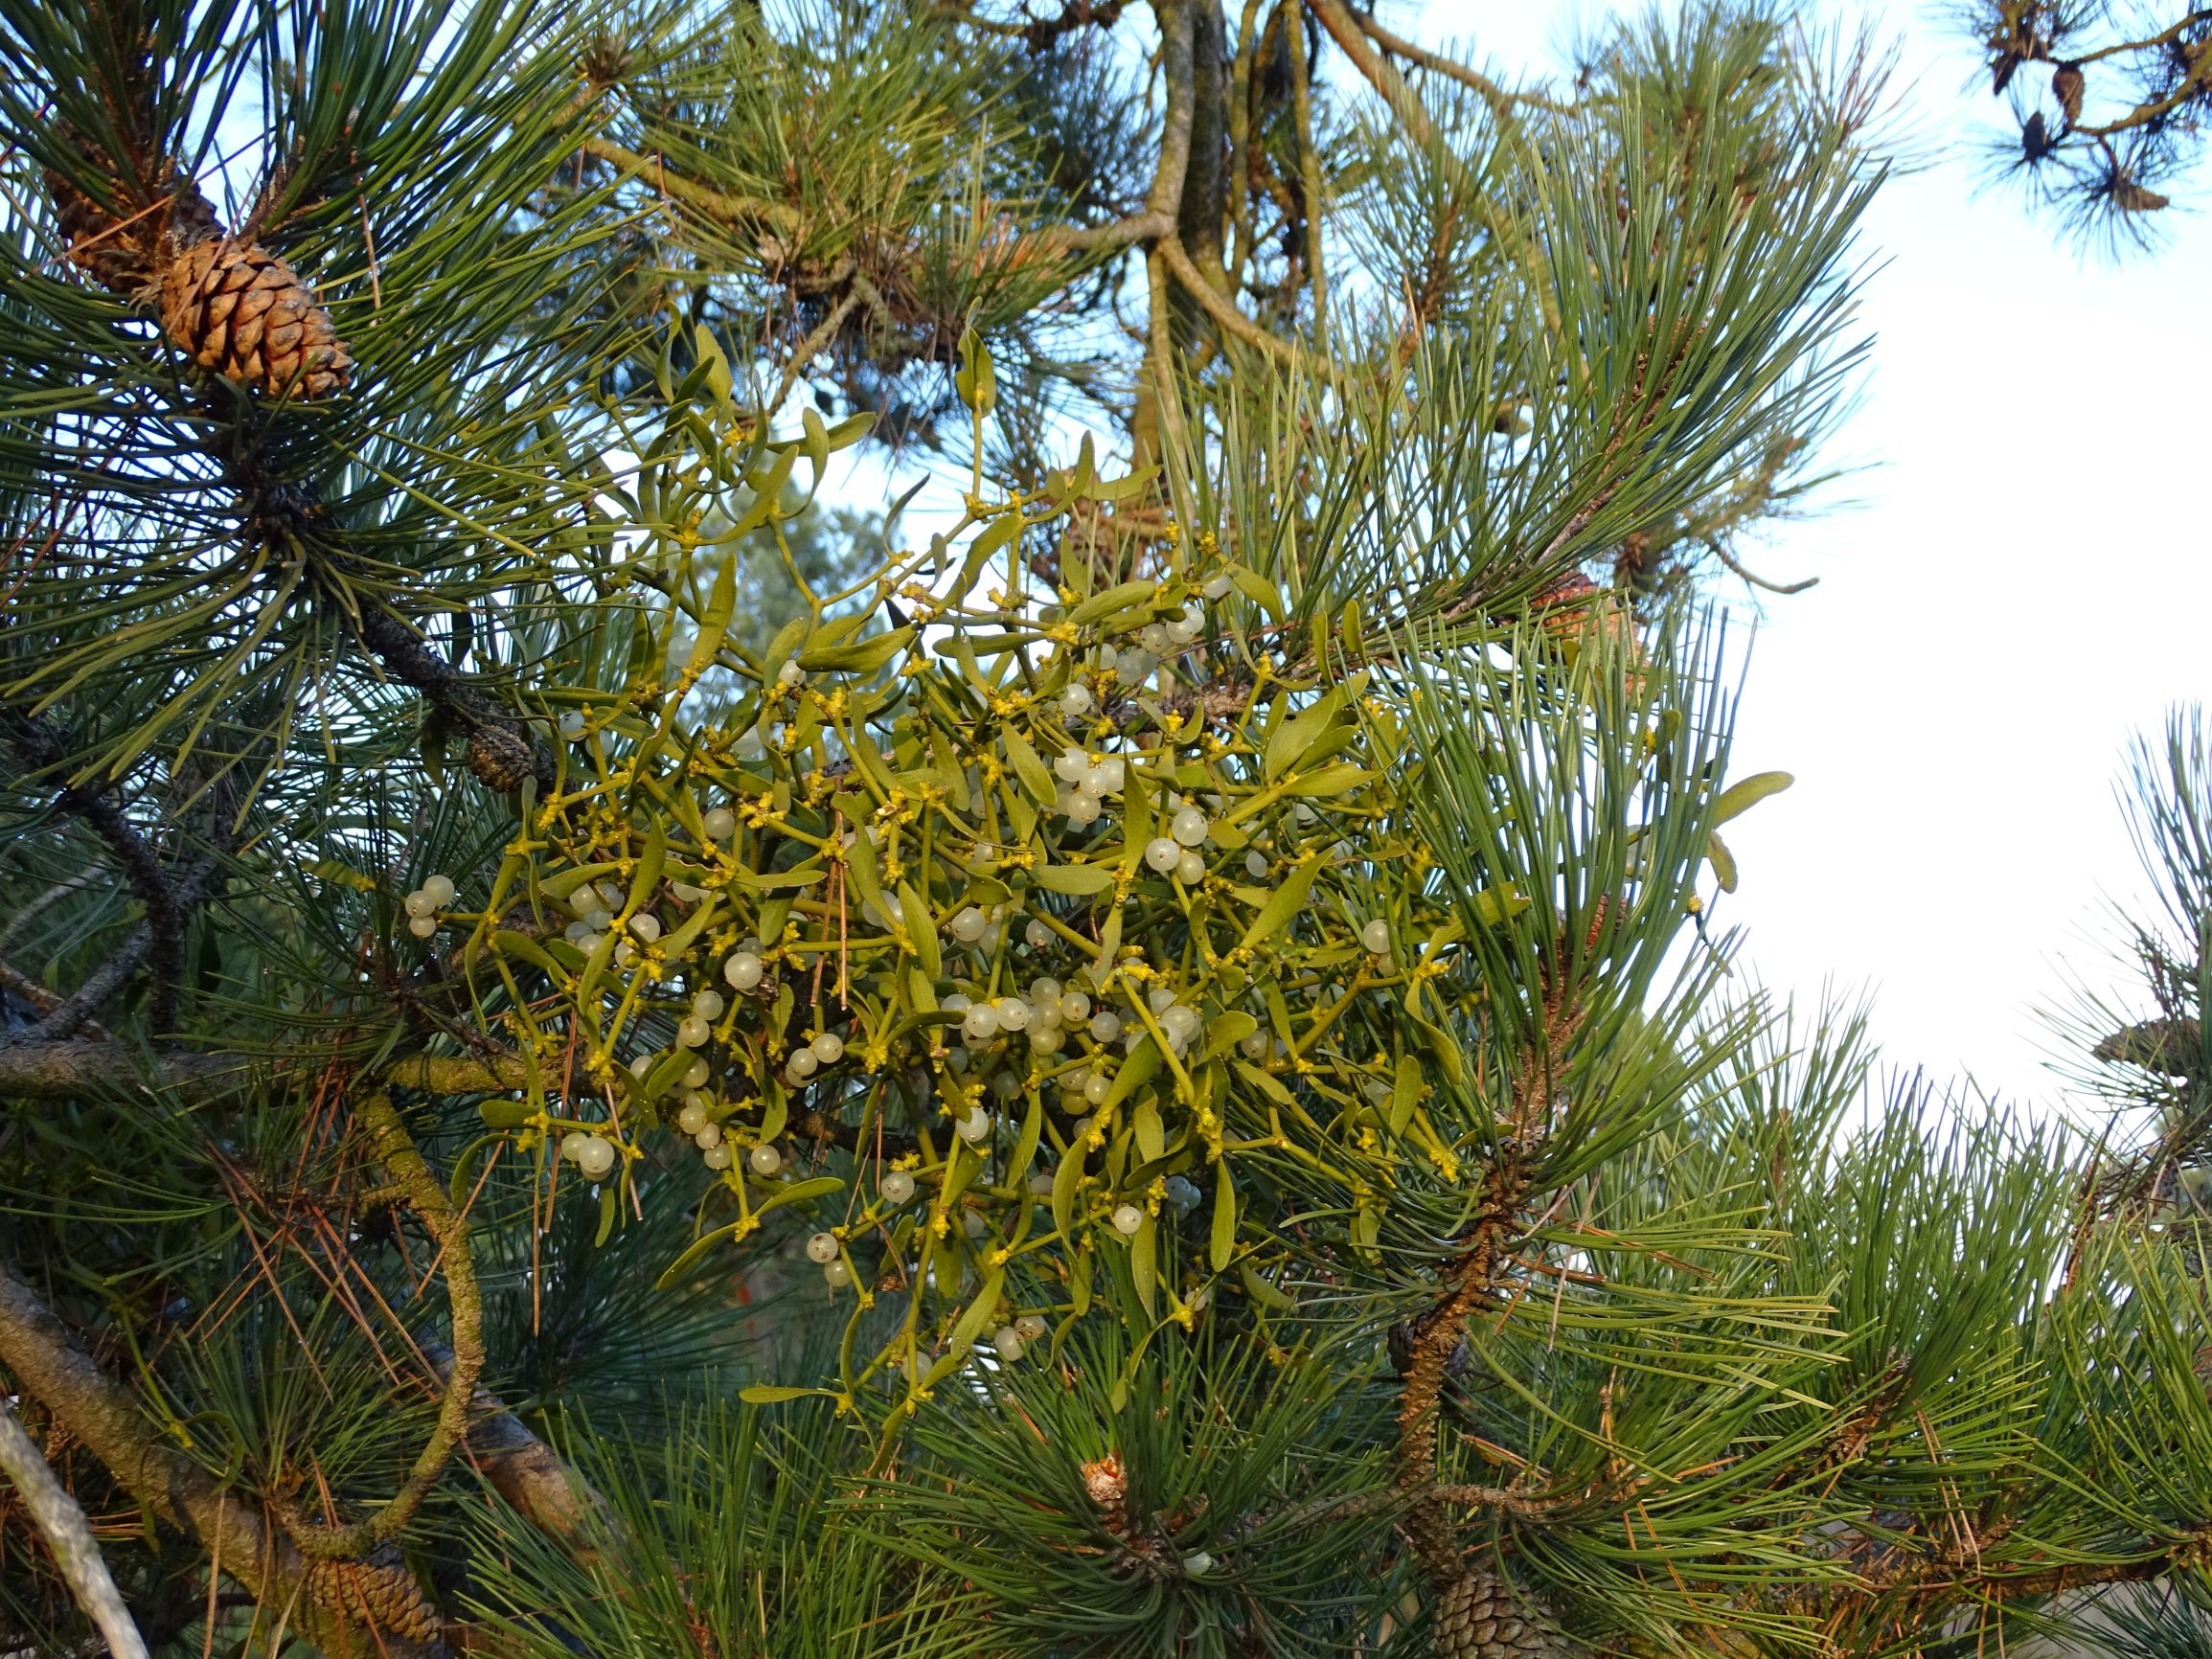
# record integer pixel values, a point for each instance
(40, 1070)
(502, 751)
(44, 754)
(358, 1607)
(198, 881)
(166, 903)
(16, 983)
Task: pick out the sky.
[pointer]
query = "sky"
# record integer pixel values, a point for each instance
(2015, 579)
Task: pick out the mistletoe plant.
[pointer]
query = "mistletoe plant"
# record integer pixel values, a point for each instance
(1069, 905)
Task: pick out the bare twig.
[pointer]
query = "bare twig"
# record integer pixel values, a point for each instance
(69, 1535)
(1721, 554)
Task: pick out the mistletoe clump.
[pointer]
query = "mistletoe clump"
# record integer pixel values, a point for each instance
(1069, 914)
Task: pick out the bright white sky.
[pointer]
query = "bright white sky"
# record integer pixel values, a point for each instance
(2027, 580)
(2017, 581)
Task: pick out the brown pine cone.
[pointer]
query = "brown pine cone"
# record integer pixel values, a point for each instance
(380, 1595)
(234, 307)
(121, 246)
(240, 311)
(2067, 86)
(501, 757)
(1481, 1615)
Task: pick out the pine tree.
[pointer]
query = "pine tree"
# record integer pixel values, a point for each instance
(2109, 106)
(604, 1055)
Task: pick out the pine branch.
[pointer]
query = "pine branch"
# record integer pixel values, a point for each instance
(47, 1070)
(341, 1606)
(757, 216)
(1474, 1278)
(1038, 33)
(734, 211)
(1413, 116)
